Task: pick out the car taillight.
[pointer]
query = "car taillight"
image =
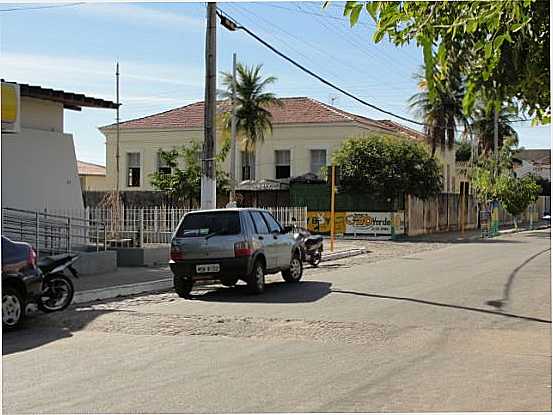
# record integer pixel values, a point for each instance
(32, 258)
(176, 254)
(243, 248)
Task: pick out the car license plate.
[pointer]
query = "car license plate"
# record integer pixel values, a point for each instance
(207, 268)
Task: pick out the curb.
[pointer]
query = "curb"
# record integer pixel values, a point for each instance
(343, 254)
(167, 283)
(122, 290)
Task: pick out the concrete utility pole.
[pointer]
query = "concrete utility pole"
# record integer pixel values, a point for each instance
(208, 182)
(117, 127)
(234, 122)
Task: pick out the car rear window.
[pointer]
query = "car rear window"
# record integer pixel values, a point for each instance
(207, 223)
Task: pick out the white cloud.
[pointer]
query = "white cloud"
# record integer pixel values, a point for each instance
(135, 14)
(58, 67)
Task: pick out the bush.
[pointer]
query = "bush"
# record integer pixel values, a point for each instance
(388, 166)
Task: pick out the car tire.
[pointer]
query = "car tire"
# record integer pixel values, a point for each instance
(295, 272)
(229, 281)
(183, 287)
(256, 280)
(13, 308)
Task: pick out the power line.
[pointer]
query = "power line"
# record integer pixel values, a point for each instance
(54, 6)
(309, 72)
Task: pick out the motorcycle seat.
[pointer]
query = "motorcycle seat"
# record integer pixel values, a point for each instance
(49, 263)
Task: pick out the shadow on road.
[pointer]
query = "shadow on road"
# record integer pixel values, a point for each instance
(537, 234)
(277, 292)
(436, 304)
(43, 329)
(507, 288)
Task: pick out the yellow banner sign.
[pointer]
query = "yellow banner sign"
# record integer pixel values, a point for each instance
(10, 108)
(319, 222)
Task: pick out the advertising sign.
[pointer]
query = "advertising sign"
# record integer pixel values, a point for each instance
(319, 222)
(358, 223)
(375, 223)
(10, 108)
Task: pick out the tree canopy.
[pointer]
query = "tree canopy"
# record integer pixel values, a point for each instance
(388, 166)
(502, 46)
(183, 184)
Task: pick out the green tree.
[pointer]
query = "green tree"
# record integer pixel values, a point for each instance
(502, 46)
(183, 185)
(463, 151)
(483, 125)
(253, 102)
(442, 114)
(517, 194)
(493, 179)
(388, 166)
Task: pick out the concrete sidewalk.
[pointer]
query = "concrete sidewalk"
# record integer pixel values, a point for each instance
(472, 235)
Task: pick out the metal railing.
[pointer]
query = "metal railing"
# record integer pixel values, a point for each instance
(137, 227)
(52, 233)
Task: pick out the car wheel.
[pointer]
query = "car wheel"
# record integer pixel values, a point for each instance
(229, 281)
(295, 272)
(182, 286)
(256, 281)
(13, 308)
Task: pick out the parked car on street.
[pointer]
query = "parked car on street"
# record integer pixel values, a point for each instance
(230, 245)
(21, 281)
(24, 281)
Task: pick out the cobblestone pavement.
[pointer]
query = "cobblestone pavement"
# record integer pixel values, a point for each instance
(113, 315)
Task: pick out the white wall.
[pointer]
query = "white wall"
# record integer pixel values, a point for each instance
(39, 171)
(39, 114)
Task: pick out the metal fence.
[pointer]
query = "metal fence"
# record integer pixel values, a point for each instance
(130, 227)
(50, 233)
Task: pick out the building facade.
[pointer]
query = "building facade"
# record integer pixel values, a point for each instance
(305, 134)
(39, 167)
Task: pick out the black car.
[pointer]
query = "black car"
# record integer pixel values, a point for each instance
(21, 281)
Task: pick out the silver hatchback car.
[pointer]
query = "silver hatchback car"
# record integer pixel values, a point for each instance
(230, 245)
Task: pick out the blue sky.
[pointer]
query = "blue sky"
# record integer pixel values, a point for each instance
(160, 47)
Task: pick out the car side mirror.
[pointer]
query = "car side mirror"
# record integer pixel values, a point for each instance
(287, 229)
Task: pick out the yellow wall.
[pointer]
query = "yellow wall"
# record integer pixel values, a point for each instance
(94, 183)
(299, 139)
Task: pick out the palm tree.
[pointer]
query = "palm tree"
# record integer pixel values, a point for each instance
(441, 115)
(254, 118)
(483, 125)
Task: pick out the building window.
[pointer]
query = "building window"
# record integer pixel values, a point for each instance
(282, 163)
(318, 161)
(162, 166)
(133, 167)
(247, 163)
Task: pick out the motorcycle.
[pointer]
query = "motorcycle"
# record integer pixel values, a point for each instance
(311, 245)
(57, 289)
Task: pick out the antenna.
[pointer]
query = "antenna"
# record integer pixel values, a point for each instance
(117, 125)
(332, 98)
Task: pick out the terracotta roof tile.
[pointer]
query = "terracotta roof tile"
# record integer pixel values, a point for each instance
(90, 169)
(295, 110)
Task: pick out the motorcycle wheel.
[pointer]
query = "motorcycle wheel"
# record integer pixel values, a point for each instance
(315, 259)
(57, 294)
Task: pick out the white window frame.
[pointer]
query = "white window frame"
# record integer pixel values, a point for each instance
(291, 150)
(310, 158)
(141, 166)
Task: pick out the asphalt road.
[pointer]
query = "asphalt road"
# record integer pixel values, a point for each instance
(464, 327)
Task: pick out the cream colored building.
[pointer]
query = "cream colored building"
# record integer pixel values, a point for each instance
(92, 176)
(305, 134)
(39, 167)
